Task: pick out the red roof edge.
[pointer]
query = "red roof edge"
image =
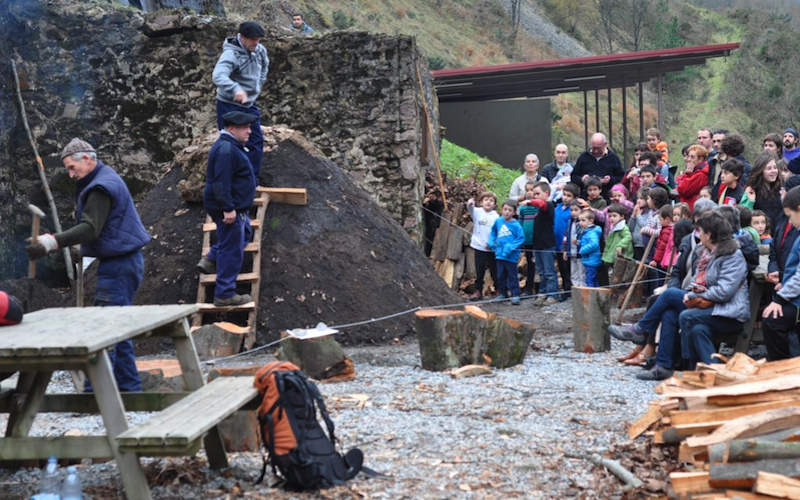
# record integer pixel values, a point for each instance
(551, 63)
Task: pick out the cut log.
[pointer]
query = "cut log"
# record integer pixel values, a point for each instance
(777, 485)
(451, 339)
(748, 399)
(320, 358)
(219, 339)
(469, 264)
(624, 271)
(455, 238)
(161, 375)
(722, 414)
(240, 431)
(743, 427)
(591, 316)
(652, 416)
(447, 271)
(750, 450)
(743, 475)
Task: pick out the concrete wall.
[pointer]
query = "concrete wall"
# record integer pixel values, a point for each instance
(503, 131)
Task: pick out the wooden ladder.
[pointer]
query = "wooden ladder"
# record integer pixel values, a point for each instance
(292, 196)
(253, 277)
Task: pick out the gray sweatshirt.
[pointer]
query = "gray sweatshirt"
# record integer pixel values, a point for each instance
(238, 69)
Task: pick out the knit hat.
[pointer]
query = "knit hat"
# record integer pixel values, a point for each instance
(792, 131)
(76, 146)
(622, 189)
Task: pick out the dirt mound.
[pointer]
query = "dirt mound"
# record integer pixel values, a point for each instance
(340, 259)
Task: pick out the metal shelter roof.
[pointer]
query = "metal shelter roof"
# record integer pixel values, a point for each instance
(552, 77)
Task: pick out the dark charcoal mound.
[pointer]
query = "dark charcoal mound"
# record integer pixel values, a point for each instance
(338, 260)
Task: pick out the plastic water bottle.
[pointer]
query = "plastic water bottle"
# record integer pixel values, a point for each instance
(71, 490)
(50, 481)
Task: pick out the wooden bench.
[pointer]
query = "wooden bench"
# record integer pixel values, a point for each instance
(178, 429)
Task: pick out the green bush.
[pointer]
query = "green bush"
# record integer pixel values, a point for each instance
(341, 20)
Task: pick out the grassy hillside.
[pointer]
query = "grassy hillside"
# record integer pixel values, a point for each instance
(461, 163)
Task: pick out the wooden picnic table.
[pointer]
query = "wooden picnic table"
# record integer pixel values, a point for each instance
(78, 339)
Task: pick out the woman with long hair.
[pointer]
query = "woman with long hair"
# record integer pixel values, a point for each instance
(763, 191)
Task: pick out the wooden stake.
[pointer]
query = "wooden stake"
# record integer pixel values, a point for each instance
(431, 138)
(635, 280)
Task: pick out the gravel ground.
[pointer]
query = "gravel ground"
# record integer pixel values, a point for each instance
(504, 435)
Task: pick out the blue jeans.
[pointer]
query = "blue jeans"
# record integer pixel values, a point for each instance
(591, 276)
(698, 327)
(255, 144)
(228, 251)
(507, 279)
(666, 311)
(546, 267)
(118, 278)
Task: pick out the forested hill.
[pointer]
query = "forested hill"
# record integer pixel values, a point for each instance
(754, 92)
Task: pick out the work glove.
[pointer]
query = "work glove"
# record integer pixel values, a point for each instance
(45, 244)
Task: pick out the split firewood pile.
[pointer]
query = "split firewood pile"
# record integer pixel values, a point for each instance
(737, 426)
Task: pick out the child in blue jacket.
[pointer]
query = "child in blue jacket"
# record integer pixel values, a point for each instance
(506, 239)
(589, 246)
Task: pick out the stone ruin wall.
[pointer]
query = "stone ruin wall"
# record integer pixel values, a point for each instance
(89, 70)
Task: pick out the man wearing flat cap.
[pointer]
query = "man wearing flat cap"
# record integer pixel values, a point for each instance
(109, 229)
(227, 197)
(239, 75)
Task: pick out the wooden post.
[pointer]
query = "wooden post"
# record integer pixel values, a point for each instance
(591, 313)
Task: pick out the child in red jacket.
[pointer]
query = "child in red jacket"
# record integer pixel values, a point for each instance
(664, 237)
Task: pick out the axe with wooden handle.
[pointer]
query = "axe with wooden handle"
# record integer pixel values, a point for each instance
(37, 217)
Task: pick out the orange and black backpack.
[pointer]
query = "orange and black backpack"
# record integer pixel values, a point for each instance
(298, 448)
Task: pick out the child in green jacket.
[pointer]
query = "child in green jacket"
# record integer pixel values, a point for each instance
(619, 240)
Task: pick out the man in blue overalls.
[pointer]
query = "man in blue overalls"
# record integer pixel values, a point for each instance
(108, 228)
(228, 195)
(239, 75)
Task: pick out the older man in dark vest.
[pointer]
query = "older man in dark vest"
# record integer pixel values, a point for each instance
(109, 229)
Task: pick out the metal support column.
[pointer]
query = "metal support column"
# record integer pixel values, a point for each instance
(610, 128)
(586, 118)
(641, 111)
(660, 101)
(596, 110)
(624, 125)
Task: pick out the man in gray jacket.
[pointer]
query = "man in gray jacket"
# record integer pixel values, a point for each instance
(239, 75)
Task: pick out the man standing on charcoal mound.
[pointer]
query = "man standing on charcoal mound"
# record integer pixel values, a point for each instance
(229, 192)
(240, 73)
(108, 228)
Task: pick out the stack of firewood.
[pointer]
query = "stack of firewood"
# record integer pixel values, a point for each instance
(451, 255)
(738, 428)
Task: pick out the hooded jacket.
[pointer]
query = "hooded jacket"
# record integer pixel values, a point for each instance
(726, 280)
(506, 239)
(590, 246)
(619, 237)
(239, 69)
(690, 184)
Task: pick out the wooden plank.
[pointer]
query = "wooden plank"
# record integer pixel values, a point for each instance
(101, 376)
(82, 331)
(194, 415)
(210, 279)
(210, 227)
(290, 196)
(689, 482)
(777, 485)
(86, 403)
(749, 399)
(730, 413)
(253, 246)
(64, 447)
(743, 475)
(652, 416)
(208, 308)
(779, 384)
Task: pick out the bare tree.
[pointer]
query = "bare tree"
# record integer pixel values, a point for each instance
(609, 13)
(516, 10)
(639, 12)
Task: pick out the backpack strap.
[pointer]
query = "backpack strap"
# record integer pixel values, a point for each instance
(323, 411)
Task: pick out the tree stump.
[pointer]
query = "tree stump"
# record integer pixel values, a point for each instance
(451, 339)
(321, 358)
(623, 272)
(591, 314)
(219, 339)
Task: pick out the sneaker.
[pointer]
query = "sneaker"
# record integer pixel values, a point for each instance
(236, 300)
(207, 266)
(515, 300)
(629, 333)
(656, 373)
(500, 298)
(476, 296)
(551, 301)
(539, 301)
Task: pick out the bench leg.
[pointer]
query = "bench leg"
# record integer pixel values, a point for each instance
(743, 342)
(101, 375)
(33, 385)
(193, 377)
